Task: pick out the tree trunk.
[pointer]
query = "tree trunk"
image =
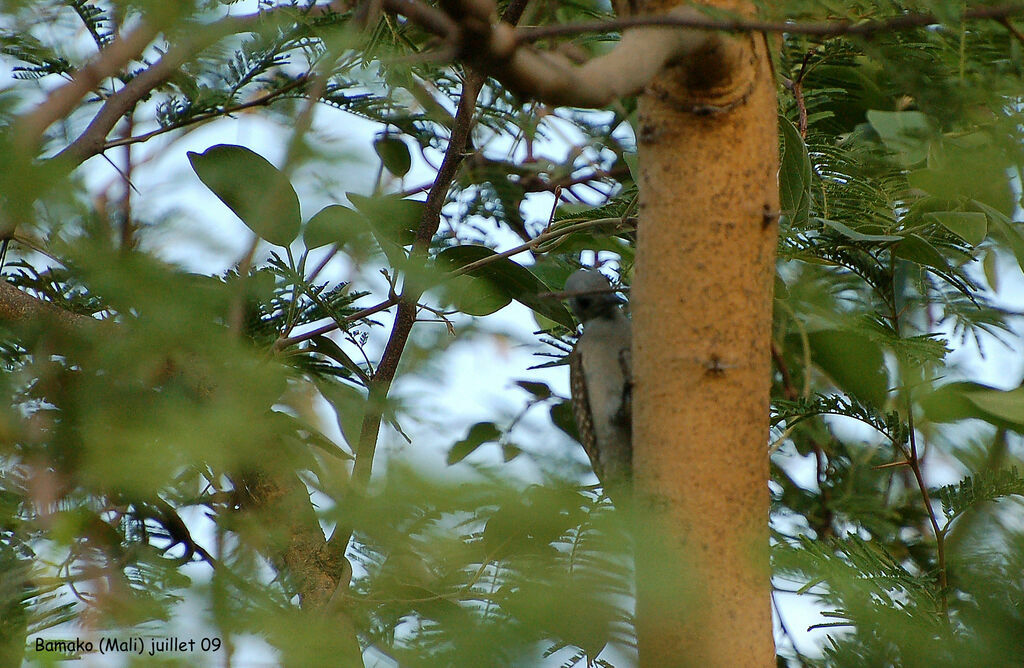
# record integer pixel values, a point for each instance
(702, 309)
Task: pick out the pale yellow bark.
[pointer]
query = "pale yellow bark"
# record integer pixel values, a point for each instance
(701, 304)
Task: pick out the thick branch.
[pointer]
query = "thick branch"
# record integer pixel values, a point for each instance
(20, 308)
(58, 104)
(92, 141)
(554, 79)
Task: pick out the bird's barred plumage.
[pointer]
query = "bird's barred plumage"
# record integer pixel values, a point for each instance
(583, 414)
(600, 380)
(581, 411)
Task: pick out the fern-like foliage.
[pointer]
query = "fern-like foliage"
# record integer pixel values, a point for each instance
(890, 424)
(96, 22)
(42, 60)
(977, 489)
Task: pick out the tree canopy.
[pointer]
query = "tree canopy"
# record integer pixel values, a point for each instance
(185, 446)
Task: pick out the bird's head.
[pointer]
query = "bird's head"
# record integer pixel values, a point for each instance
(596, 300)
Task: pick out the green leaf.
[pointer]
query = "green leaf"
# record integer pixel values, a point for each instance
(349, 406)
(971, 226)
(1004, 229)
(562, 417)
(968, 172)
(539, 390)
(631, 160)
(851, 233)
(394, 154)
(475, 296)
(256, 191)
(336, 224)
(328, 348)
(392, 218)
(488, 288)
(510, 451)
(964, 400)
(855, 363)
(478, 434)
(917, 250)
(979, 488)
(948, 402)
(989, 264)
(1004, 405)
(794, 175)
(907, 133)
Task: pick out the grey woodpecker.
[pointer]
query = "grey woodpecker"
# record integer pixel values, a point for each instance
(600, 378)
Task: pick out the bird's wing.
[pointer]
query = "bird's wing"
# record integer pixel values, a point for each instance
(581, 410)
(625, 414)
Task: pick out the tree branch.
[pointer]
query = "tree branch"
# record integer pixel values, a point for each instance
(501, 51)
(29, 128)
(820, 29)
(261, 101)
(18, 307)
(93, 139)
(552, 78)
(405, 317)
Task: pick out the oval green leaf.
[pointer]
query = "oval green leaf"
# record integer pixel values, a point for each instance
(479, 433)
(256, 191)
(501, 280)
(394, 154)
(971, 226)
(794, 175)
(337, 224)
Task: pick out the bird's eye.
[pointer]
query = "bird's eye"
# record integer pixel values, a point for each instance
(584, 302)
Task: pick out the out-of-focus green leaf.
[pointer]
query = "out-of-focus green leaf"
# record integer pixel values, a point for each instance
(394, 154)
(968, 172)
(963, 400)
(256, 191)
(562, 417)
(1004, 405)
(971, 226)
(392, 218)
(1005, 230)
(989, 264)
(502, 280)
(855, 363)
(478, 434)
(906, 133)
(349, 405)
(539, 390)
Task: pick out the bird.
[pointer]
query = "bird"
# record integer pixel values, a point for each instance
(600, 380)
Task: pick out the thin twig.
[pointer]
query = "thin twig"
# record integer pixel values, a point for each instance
(1006, 23)
(820, 29)
(281, 344)
(405, 317)
(788, 389)
(262, 101)
(940, 538)
(286, 342)
(530, 245)
(93, 138)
